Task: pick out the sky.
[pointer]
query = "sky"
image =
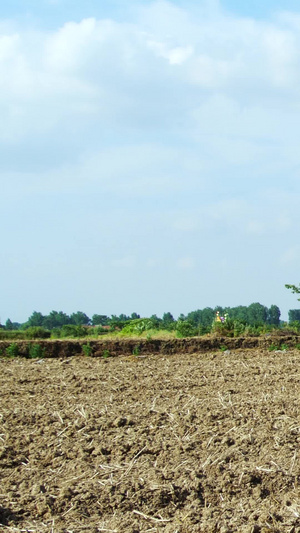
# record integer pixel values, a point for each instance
(149, 155)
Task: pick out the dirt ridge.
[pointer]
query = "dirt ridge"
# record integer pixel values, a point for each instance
(136, 346)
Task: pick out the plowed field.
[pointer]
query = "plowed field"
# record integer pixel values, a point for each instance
(159, 443)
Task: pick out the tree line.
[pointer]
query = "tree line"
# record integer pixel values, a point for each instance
(255, 314)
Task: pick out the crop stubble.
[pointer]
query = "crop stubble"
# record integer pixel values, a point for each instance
(195, 443)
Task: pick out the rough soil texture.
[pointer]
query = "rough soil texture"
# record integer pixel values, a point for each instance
(199, 442)
(129, 346)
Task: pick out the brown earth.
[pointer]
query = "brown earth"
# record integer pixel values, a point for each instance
(128, 346)
(194, 442)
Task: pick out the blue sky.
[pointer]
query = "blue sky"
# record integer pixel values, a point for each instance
(149, 156)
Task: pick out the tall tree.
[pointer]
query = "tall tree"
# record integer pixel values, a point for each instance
(80, 319)
(56, 319)
(168, 320)
(257, 314)
(294, 315)
(36, 319)
(8, 324)
(274, 315)
(135, 316)
(100, 320)
(207, 316)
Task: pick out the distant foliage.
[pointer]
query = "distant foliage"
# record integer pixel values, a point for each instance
(185, 329)
(37, 332)
(294, 315)
(253, 319)
(138, 326)
(100, 320)
(69, 330)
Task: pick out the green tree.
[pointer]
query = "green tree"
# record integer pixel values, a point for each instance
(294, 315)
(135, 316)
(239, 313)
(156, 321)
(194, 317)
(100, 320)
(168, 321)
(207, 316)
(56, 319)
(80, 319)
(274, 315)
(294, 289)
(9, 325)
(36, 319)
(257, 314)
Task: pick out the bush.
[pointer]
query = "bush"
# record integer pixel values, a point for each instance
(293, 326)
(37, 332)
(203, 330)
(36, 351)
(100, 330)
(12, 350)
(136, 350)
(12, 334)
(138, 326)
(223, 329)
(238, 328)
(87, 349)
(185, 329)
(70, 330)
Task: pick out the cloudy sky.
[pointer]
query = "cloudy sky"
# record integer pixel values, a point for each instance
(149, 156)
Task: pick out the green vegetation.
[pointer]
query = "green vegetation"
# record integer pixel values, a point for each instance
(87, 349)
(185, 329)
(36, 352)
(138, 326)
(12, 350)
(223, 348)
(253, 320)
(136, 350)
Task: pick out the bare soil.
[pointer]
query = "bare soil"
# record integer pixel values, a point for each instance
(194, 442)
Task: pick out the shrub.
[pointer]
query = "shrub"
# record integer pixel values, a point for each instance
(203, 330)
(223, 329)
(138, 326)
(87, 349)
(223, 348)
(37, 332)
(273, 347)
(106, 354)
(100, 330)
(36, 351)
(12, 334)
(70, 330)
(12, 350)
(136, 350)
(293, 326)
(238, 328)
(185, 329)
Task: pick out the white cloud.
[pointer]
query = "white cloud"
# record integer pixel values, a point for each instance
(175, 56)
